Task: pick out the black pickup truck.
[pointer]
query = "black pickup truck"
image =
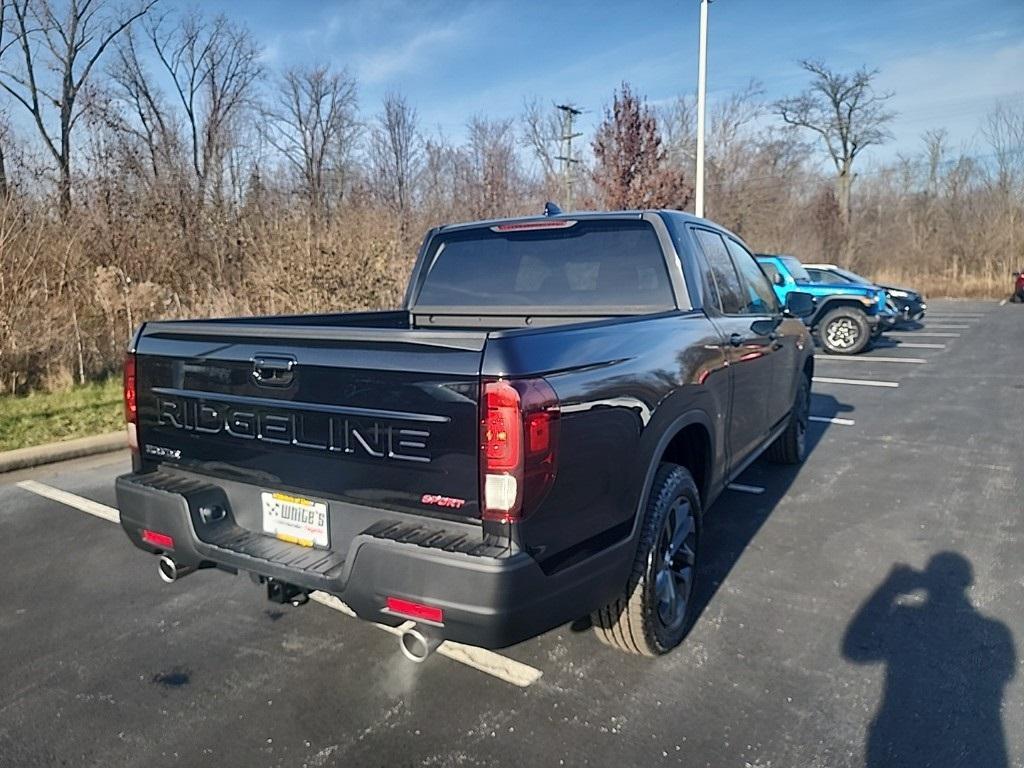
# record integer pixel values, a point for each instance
(532, 438)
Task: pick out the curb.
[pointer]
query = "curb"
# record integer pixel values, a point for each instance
(37, 455)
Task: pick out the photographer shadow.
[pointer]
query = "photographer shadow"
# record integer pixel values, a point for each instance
(946, 669)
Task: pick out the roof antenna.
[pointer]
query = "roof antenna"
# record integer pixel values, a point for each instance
(550, 209)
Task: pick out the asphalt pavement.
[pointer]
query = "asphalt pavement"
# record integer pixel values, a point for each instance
(863, 609)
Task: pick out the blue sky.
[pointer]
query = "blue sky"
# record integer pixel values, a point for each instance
(948, 61)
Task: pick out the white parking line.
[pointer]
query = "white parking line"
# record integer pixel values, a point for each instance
(912, 334)
(857, 382)
(89, 506)
(754, 489)
(966, 315)
(833, 420)
(489, 662)
(943, 326)
(870, 359)
(920, 345)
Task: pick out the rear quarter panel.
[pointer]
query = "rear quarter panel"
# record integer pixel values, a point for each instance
(621, 385)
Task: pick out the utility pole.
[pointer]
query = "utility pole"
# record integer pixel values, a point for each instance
(702, 84)
(569, 113)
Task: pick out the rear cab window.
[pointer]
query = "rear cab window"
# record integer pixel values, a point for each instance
(610, 264)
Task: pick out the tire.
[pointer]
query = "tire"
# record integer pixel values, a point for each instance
(844, 331)
(791, 446)
(654, 612)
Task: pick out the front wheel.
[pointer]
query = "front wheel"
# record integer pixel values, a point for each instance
(844, 331)
(654, 611)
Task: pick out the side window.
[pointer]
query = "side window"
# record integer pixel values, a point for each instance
(759, 296)
(817, 276)
(772, 271)
(730, 291)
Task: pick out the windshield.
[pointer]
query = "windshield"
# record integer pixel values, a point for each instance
(608, 264)
(796, 269)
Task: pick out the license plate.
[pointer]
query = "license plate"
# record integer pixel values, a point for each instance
(295, 519)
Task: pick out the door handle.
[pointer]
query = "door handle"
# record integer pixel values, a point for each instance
(736, 340)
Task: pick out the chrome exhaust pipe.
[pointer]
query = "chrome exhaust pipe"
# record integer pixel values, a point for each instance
(171, 571)
(418, 645)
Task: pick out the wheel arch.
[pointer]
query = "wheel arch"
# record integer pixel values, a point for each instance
(688, 437)
(828, 304)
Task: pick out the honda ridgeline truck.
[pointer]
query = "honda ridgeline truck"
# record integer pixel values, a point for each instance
(533, 437)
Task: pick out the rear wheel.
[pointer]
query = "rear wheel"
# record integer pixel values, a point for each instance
(791, 446)
(654, 611)
(844, 331)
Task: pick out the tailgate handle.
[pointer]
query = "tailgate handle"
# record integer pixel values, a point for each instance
(273, 371)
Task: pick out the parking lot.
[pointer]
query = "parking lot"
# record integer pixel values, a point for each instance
(864, 608)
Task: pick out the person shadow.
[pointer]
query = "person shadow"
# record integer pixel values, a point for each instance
(946, 668)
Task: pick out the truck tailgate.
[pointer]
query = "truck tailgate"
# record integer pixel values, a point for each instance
(383, 417)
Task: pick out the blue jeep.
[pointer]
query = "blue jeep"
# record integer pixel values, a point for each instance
(846, 317)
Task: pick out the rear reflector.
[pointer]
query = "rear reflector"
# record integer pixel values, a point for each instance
(413, 610)
(157, 539)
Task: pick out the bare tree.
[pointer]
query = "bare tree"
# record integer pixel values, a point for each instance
(149, 119)
(213, 66)
(632, 169)
(848, 115)
(60, 46)
(490, 167)
(312, 122)
(541, 133)
(396, 154)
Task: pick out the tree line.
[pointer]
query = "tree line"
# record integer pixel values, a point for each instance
(153, 165)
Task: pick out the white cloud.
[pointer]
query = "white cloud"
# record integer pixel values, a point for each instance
(951, 88)
(410, 55)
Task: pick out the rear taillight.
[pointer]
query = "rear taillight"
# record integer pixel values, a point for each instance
(518, 441)
(131, 403)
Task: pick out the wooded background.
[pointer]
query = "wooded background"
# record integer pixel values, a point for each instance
(151, 165)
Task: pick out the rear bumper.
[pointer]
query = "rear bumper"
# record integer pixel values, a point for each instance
(490, 600)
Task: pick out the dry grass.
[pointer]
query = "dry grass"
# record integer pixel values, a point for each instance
(946, 286)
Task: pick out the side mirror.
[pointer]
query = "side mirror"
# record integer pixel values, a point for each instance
(799, 304)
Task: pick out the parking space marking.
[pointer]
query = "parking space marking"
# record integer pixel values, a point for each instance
(754, 489)
(481, 659)
(920, 345)
(833, 420)
(856, 382)
(944, 327)
(912, 334)
(870, 359)
(110, 514)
